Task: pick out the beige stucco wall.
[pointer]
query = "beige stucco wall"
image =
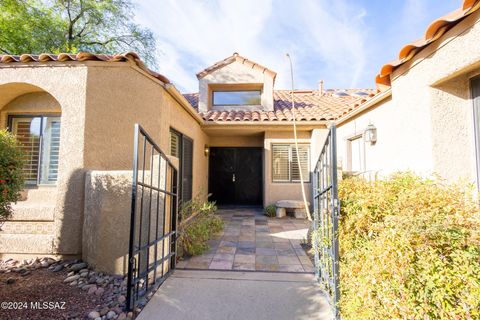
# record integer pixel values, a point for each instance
(236, 73)
(427, 125)
(403, 141)
(274, 191)
(119, 97)
(55, 228)
(255, 140)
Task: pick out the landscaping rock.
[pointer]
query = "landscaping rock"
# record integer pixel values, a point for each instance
(10, 281)
(78, 266)
(71, 278)
(93, 315)
(58, 268)
(104, 311)
(111, 315)
(122, 316)
(99, 292)
(121, 299)
(92, 290)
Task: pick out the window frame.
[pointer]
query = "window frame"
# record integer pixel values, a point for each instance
(291, 147)
(236, 104)
(42, 116)
(180, 158)
(476, 122)
(349, 140)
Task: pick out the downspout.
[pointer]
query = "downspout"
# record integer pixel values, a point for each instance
(302, 183)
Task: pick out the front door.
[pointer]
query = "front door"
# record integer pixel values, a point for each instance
(235, 176)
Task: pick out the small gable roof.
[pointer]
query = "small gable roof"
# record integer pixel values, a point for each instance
(235, 58)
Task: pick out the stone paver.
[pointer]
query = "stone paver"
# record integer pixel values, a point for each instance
(251, 241)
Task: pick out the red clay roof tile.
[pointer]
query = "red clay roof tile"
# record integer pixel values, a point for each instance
(310, 105)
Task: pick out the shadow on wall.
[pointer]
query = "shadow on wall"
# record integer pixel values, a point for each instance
(106, 226)
(69, 212)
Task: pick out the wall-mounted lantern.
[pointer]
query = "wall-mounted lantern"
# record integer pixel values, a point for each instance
(206, 150)
(370, 134)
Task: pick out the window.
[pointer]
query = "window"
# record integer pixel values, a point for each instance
(181, 147)
(236, 98)
(356, 154)
(285, 167)
(39, 137)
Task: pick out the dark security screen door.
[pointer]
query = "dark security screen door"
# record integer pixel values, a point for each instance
(236, 176)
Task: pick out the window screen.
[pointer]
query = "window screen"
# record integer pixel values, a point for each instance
(285, 167)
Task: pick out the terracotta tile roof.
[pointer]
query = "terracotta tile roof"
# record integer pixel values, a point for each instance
(82, 56)
(309, 106)
(434, 31)
(234, 57)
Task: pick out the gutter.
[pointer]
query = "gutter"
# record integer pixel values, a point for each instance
(365, 106)
(173, 91)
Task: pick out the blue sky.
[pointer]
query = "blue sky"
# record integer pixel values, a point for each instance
(342, 42)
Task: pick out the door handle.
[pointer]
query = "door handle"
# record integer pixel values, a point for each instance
(233, 177)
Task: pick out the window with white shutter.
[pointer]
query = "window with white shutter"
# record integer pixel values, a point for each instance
(285, 167)
(39, 138)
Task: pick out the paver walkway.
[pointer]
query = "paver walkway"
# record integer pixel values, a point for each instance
(236, 295)
(251, 241)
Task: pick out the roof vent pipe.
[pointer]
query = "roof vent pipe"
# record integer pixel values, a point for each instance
(320, 87)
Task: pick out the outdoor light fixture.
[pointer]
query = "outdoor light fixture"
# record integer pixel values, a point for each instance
(206, 150)
(370, 134)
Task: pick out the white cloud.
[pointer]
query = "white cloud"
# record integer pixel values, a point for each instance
(325, 38)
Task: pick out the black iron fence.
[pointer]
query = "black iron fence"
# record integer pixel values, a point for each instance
(153, 222)
(326, 214)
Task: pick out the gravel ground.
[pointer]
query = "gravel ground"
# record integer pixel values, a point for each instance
(41, 286)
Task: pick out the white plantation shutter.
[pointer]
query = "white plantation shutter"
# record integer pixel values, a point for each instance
(280, 162)
(285, 166)
(27, 131)
(174, 144)
(303, 151)
(50, 150)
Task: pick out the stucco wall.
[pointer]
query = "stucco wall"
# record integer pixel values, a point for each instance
(53, 228)
(275, 191)
(236, 141)
(427, 126)
(119, 97)
(403, 141)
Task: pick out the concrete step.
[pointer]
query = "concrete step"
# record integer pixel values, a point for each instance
(31, 211)
(47, 195)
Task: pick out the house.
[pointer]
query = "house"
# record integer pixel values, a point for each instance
(75, 114)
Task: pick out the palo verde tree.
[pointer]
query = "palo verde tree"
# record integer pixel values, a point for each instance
(54, 26)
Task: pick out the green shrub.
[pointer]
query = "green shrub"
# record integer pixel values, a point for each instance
(198, 223)
(11, 175)
(409, 249)
(271, 211)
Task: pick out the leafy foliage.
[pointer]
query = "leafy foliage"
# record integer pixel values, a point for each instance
(198, 224)
(271, 210)
(98, 26)
(11, 176)
(409, 249)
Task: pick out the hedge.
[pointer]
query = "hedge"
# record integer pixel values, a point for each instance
(409, 249)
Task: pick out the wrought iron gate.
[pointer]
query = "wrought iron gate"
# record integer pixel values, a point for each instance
(153, 221)
(326, 214)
